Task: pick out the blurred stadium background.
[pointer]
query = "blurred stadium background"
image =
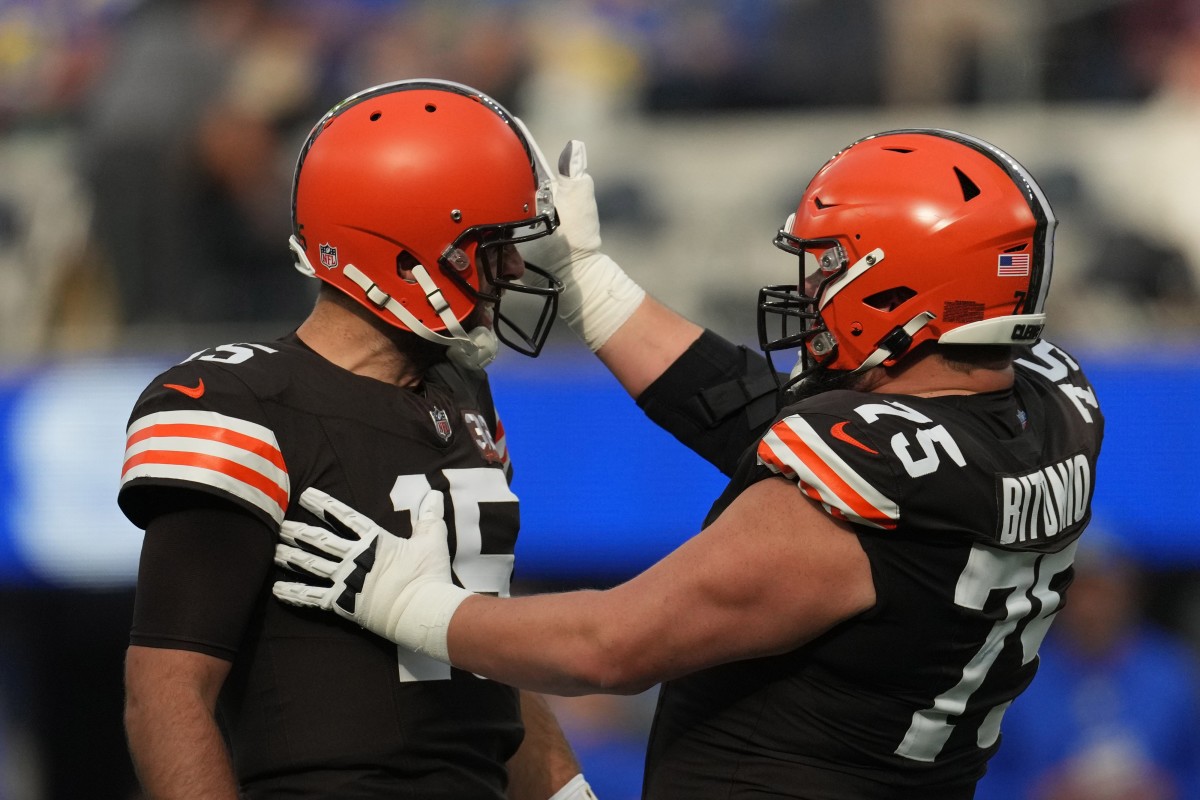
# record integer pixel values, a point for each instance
(146, 153)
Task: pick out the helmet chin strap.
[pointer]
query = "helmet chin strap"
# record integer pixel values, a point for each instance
(302, 264)
(853, 272)
(895, 342)
(473, 350)
(898, 339)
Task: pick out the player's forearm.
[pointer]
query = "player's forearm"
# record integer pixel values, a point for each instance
(178, 751)
(176, 745)
(545, 762)
(556, 643)
(652, 339)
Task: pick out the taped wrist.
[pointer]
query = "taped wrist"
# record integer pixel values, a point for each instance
(425, 621)
(575, 789)
(598, 297)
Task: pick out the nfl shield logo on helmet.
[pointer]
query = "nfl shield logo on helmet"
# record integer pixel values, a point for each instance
(441, 423)
(328, 256)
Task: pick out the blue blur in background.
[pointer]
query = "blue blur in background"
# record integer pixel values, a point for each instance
(604, 492)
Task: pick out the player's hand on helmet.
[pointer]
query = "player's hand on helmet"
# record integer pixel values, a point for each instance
(597, 295)
(400, 589)
(578, 233)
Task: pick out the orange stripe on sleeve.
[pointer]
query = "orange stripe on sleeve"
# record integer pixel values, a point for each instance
(212, 433)
(858, 504)
(767, 456)
(231, 469)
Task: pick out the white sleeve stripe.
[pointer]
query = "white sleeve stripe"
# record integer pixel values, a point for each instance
(208, 447)
(837, 483)
(210, 478)
(502, 449)
(806, 477)
(209, 418)
(780, 463)
(831, 459)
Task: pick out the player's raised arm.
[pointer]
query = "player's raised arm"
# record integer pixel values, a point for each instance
(635, 336)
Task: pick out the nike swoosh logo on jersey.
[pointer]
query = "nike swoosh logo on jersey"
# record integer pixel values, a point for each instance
(193, 392)
(839, 432)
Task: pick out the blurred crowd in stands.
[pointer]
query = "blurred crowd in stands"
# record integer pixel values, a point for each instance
(146, 155)
(180, 119)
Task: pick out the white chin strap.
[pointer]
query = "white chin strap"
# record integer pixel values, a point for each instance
(473, 350)
(911, 327)
(856, 269)
(882, 354)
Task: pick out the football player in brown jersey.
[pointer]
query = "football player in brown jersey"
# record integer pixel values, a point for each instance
(408, 202)
(868, 594)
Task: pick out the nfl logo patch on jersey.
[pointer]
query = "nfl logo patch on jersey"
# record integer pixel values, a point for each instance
(441, 423)
(328, 256)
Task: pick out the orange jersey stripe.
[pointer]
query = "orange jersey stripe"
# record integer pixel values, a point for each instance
(224, 466)
(847, 493)
(213, 434)
(767, 456)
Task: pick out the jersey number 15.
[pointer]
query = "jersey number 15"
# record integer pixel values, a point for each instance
(473, 491)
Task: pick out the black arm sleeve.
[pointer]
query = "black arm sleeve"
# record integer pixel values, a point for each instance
(202, 571)
(717, 398)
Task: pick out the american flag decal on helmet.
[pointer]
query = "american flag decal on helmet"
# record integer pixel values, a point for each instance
(1012, 265)
(236, 457)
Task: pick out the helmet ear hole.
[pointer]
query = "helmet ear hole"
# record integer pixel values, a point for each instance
(890, 299)
(406, 262)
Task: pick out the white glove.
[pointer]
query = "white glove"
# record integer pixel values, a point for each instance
(400, 589)
(575, 789)
(597, 295)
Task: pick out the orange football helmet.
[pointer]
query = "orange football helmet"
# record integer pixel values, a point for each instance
(905, 237)
(405, 196)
